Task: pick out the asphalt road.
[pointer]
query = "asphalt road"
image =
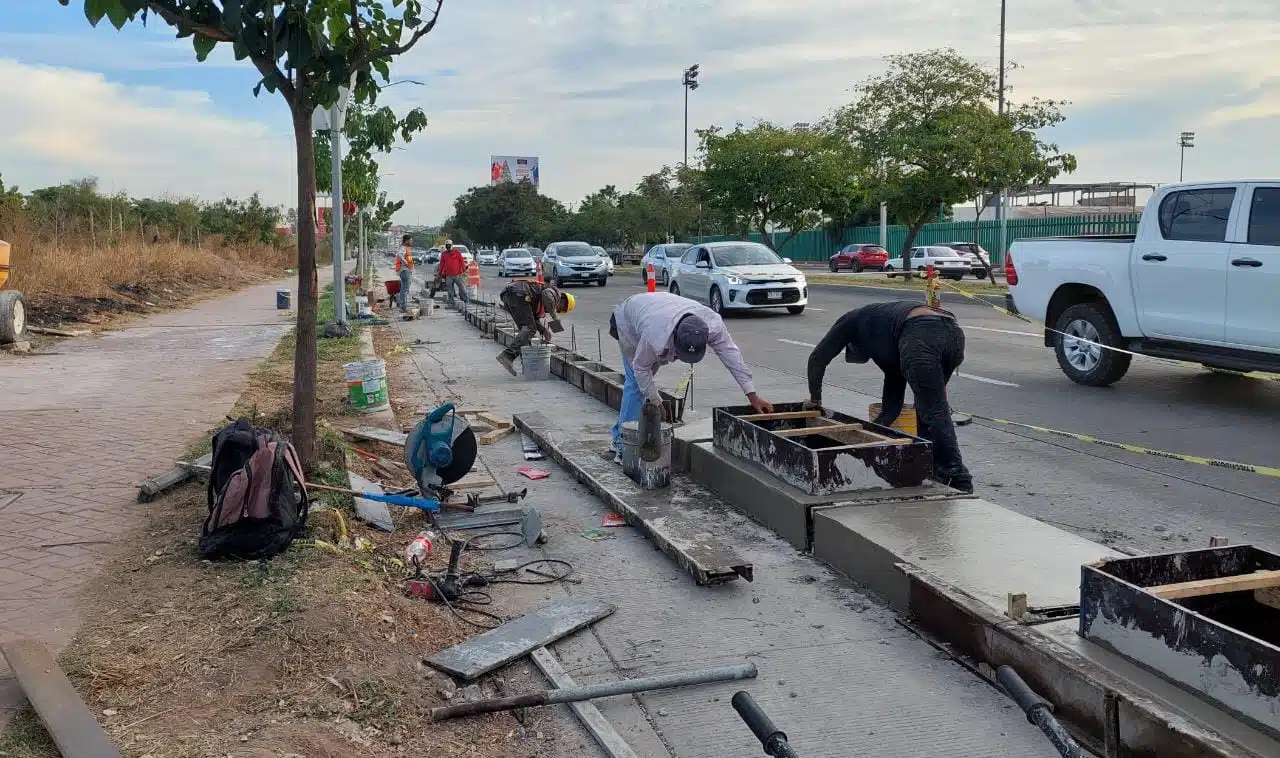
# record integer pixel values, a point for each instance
(1129, 500)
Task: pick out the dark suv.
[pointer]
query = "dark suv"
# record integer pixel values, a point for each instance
(859, 258)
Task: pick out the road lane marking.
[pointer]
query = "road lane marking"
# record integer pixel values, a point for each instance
(984, 379)
(974, 377)
(816, 309)
(967, 327)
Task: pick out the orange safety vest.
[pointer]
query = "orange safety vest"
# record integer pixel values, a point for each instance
(407, 256)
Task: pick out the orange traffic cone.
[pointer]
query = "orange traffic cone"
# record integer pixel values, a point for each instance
(540, 274)
(650, 281)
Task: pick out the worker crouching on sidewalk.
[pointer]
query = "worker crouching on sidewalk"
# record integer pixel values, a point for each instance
(656, 328)
(912, 344)
(529, 303)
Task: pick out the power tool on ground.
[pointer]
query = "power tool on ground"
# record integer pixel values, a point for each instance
(440, 450)
(449, 586)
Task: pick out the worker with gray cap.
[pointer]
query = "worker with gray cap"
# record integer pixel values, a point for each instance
(656, 328)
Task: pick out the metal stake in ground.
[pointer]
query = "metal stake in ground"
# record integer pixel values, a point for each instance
(593, 691)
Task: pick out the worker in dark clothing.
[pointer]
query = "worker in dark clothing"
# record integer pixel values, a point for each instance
(912, 344)
(529, 303)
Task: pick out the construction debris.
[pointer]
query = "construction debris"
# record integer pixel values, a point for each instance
(374, 434)
(372, 512)
(155, 486)
(65, 716)
(504, 644)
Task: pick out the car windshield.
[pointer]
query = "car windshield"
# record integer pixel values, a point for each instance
(745, 255)
(517, 254)
(674, 250)
(575, 251)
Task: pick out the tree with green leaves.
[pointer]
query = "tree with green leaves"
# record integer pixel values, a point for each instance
(304, 50)
(928, 136)
(770, 177)
(507, 214)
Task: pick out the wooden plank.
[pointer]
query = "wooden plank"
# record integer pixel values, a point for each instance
(488, 438)
(67, 719)
(157, 485)
(473, 481)
(514, 639)
(494, 420)
(374, 434)
(1258, 580)
(605, 735)
(1269, 596)
(825, 429)
(781, 416)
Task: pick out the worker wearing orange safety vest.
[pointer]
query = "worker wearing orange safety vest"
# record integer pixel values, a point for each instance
(404, 267)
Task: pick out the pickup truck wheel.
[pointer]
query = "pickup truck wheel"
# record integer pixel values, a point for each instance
(1085, 363)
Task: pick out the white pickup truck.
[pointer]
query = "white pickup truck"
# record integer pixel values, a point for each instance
(1200, 281)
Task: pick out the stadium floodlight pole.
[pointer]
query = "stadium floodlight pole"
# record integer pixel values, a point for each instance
(1185, 140)
(1000, 210)
(690, 82)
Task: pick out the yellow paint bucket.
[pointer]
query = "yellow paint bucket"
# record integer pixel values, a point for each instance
(906, 420)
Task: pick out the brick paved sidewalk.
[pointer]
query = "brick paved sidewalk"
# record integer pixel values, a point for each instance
(81, 428)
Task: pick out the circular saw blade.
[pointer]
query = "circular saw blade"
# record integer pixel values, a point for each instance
(465, 450)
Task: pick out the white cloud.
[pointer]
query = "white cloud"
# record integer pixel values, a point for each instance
(61, 123)
(594, 90)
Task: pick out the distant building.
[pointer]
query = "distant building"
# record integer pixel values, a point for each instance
(1062, 200)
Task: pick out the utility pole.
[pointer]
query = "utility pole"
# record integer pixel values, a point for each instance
(1000, 211)
(335, 226)
(884, 225)
(1185, 140)
(690, 83)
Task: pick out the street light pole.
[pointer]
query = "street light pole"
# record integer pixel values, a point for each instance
(1185, 140)
(1000, 210)
(690, 82)
(335, 227)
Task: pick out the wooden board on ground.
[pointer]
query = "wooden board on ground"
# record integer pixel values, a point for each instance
(473, 481)
(488, 438)
(67, 719)
(374, 434)
(590, 716)
(373, 512)
(1258, 580)
(155, 486)
(514, 639)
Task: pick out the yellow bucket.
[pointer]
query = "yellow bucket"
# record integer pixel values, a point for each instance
(906, 420)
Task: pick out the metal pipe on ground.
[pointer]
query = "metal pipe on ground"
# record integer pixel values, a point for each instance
(593, 691)
(773, 739)
(1039, 712)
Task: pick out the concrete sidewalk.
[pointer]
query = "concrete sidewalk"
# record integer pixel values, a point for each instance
(85, 423)
(837, 672)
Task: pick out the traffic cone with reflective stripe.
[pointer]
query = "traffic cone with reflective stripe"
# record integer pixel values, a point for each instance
(650, 281)
(540, 274)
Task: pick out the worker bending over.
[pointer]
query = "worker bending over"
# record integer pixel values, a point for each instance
(404, 267)
(529, 303)
(656, 328)
(912, 344)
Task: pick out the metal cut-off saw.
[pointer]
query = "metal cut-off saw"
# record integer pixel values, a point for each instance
(440, 450)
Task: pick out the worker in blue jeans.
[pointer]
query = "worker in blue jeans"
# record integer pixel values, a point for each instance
(656, 328)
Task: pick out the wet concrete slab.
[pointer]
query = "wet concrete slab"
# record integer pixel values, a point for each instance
(786, 510)
(981, 548)
(687, 435)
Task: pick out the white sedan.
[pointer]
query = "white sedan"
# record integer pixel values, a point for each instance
(487, 257)
(516, 261)
(738, 276)
(947, 262)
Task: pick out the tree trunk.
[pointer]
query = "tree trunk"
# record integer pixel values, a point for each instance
(304, 355)
(916, 225)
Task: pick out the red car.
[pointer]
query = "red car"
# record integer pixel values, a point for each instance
(859, 258)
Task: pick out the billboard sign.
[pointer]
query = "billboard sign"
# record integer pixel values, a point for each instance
(513, 168)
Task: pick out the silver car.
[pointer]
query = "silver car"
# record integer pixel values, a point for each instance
(948, 263)
(566, 262)
(739, 276)
(662, 257)
(608, 261)
(516, 261)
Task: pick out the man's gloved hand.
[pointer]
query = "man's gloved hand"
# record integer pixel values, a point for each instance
(662, 409)
(759, 404)
(546, 334)
(812, 405)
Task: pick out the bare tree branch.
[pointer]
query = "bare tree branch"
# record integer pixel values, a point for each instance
(390, 52)
(173, 17)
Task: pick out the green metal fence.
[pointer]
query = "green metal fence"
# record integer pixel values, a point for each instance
(819, 245)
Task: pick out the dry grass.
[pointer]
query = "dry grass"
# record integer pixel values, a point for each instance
(78, 282)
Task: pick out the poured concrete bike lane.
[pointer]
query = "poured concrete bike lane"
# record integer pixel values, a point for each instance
(84, 422)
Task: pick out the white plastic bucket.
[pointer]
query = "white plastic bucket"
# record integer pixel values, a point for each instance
(535, 362)
(367, 385)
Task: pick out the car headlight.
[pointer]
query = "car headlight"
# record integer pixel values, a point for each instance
(731, 279)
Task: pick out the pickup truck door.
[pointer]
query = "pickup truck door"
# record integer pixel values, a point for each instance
(1179, 265)
(1253, 271)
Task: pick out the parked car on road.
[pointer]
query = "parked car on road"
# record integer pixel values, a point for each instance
(979, 259)
(565, 262)
(738, 275)
(608, 261)
(947, 262)
(467, 257)
(487, 257)
(662, 257)
(1198, 282)
(516, 261)
(859, 258)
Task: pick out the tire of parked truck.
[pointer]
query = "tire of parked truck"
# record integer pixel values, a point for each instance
(13, 317)
(1096, 367)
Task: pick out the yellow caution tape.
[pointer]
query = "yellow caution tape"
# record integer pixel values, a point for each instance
(1197, 459)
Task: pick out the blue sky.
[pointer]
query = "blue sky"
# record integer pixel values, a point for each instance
(593, 89)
